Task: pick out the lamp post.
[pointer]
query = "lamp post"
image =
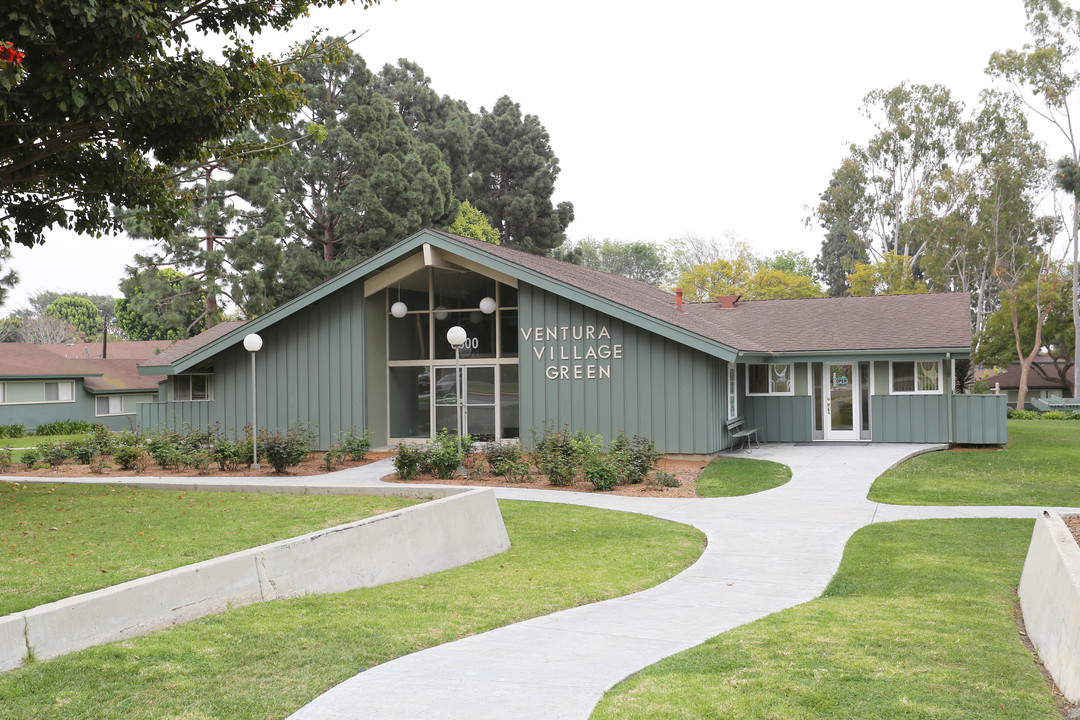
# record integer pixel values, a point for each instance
(456, 336)
(253, 343)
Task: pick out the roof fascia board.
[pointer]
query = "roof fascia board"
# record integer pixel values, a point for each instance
(50, 376)
(822, 355)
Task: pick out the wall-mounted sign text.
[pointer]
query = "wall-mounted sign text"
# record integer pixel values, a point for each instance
(574, 352)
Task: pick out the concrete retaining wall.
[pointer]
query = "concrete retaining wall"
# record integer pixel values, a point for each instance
(396, 546)
(1050, 601)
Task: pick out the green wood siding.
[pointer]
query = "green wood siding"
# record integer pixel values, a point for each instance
(310, 371)
(910, 418)
(30, 415)
(979, 419)
(658, 388)
(780, 418)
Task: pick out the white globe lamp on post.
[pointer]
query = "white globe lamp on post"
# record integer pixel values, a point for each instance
(253, 343)
(487, 305)
(457, 336)
(399, 309)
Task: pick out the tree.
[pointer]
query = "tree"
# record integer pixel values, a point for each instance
(48, 329)
(11, 329)
(161, 304)
(840, 253)
(703, 283)
(768, 283)
(889, 276)
(78, 312)
(102, 99)
(514, 172)
(1045, 74)
(642, 261)
(472, 223)
(790, 262)
(368, 184)
(8, 276)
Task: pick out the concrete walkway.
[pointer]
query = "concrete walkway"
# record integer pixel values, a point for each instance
(766, 552)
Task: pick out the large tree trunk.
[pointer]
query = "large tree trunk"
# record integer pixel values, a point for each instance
(1027, 360)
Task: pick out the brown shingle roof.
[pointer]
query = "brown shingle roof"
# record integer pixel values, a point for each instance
(880, 322)
(28, 360)
(117, 350)
(1010, 378)
(186, 347)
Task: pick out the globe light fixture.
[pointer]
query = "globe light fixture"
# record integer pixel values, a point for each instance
(487, 305)
(441, 313)
(399, 309)
(457, 336)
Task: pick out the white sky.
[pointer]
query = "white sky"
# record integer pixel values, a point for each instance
(686, 116)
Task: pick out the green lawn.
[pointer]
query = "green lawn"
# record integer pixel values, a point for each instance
(265, 661)
(917, 623)
(728, 476)
(1039, 466)
(62, 540)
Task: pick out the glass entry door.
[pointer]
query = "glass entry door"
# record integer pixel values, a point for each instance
(478, 411)
(841, 410)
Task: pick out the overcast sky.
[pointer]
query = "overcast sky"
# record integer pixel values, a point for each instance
(668, 118)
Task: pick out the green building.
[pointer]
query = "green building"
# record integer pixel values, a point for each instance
(548, 343)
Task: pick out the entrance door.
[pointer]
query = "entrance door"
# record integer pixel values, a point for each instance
(478, 413)
(841, 408)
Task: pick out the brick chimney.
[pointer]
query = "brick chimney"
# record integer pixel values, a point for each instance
(727, 302)
(678, 299)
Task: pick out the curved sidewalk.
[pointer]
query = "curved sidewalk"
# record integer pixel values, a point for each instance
(766, 552)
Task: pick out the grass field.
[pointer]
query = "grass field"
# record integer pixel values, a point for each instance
(917, 623)
(62, 540)
(265, 661)
(728, 476)
(1039, 466)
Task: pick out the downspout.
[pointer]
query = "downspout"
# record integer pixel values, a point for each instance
(951, 391)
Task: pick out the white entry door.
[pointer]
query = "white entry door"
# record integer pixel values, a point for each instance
(841, 408)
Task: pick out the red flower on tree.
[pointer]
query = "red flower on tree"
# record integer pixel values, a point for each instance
(8, 53)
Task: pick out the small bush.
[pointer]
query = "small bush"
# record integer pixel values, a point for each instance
(16, 430)
(448, 453)
(230, 454)
(554, 455)
(31, 457)
(63, 427)
(98, 465)
(200, 460)
(332, 458)
(54, 453)
(602, 472)
(355, 446)
(634, 458)
(128, 456)
(503, 457)
(7, 459)
(1014, 414)
(104, 439)
(1053, 415)
(288, 450)
(410, 460)
(83, 451)
(586, 447)
(664, 479)
(519, 471)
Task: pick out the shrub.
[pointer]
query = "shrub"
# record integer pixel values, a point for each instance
(31, 457)
(1053, 415)
(586, 447)
(103, 439)
(410, 460)
(634, 458)
(98, 465)
(554, 456)
(601, 471)
(664, 479)
(288, 450)
(230, 454)
(128, 456)
(53, 453)
(64, 427)
(7, 459)
(16, 430)
(355, 446)
(448, 453)
(83, 451)
(200, 460)
(1014, 414)
(503, 457)
(332, 458)
(519, 471)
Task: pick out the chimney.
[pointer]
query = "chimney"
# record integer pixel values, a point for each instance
(678, 299)
(727, 302)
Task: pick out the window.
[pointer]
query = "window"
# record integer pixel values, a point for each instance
(191, 387)
(109, 405)
(732, 394)
(769, 380)
(25, 393)
(916, 377)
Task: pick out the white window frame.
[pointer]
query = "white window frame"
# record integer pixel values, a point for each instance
(915, 369)
(110, 398)
(68, 384)
(209, 387)
(790, 373)
(732, 391)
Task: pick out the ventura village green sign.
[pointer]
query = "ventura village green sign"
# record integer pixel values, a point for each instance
(568, 350)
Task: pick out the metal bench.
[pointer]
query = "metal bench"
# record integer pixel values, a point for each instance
(748, 437)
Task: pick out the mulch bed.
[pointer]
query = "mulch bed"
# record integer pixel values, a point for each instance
(1074, 526)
